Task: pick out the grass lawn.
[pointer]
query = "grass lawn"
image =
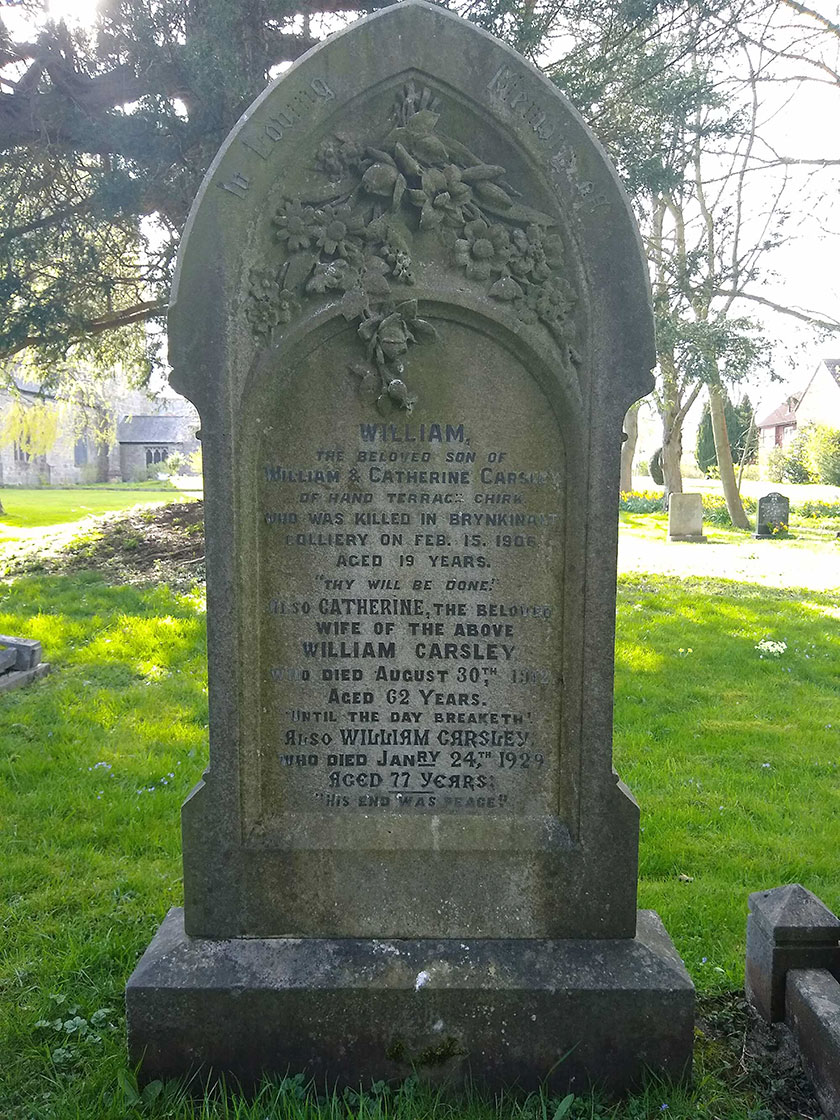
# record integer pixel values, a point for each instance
(27, 510)
(732, 752)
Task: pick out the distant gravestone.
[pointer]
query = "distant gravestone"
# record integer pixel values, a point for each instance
(412, 311)
(773, 515)
(685, 518)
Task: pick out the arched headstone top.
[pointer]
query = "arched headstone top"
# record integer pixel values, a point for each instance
(412, 156)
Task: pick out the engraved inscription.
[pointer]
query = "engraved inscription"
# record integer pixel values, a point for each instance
(293, 114)
(410, 579)
(237, 184)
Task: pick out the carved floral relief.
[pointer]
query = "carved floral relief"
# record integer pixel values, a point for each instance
(384, 198)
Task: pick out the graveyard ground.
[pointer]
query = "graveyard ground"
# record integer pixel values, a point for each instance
(727, 729)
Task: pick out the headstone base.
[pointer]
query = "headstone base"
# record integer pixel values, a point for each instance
(697, 538)
(501, 1013)
(20, 678)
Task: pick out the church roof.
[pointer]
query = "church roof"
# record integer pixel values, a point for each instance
(155, 429)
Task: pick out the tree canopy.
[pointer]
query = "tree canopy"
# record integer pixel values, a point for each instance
(107, 132)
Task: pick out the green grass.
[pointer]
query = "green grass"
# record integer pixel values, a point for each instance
(43, 508)
(732, 756)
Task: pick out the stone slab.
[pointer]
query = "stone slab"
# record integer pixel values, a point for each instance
(28, 650)
(8, 658)
(20, 678)
(685, 518)
(813, 1015)
(509, 1013)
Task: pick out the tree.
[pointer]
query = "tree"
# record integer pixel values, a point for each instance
(107, 134)
(628, 448)
(740, 431)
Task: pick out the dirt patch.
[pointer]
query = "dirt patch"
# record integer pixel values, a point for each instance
(154, 543)
(753, 1057)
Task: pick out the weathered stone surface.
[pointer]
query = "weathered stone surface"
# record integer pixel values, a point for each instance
(517, 826)
(28, 651)
(788, 927)
(685, 518)
(502, 1011)
(8, 658)
(19, 678)
(412, 309)
(773, 515)
(813, 1015)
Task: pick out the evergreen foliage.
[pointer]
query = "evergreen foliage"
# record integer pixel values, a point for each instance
(108, 132)
(738, 427)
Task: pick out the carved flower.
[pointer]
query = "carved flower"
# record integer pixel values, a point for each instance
(295, 224)
(510, 291)
(387, 336)
(264, 291)
(553, 302)
(441, 196)
(339, 231)
(534, 254)
(287, 306)
(337, 156)
(483, 250)
(329, 275)
(401, 266)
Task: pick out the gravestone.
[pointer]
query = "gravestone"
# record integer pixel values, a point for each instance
(685, 518)
(412, 310)
(773, 515)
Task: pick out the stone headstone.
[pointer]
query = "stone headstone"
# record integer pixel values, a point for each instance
(685, 518)
(773, 515)
(404, 295)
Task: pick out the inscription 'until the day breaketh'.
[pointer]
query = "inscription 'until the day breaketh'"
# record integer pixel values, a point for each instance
(435, 658)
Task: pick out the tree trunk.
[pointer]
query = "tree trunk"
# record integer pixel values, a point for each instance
(673, 414)
(628, 448)
(724, 457)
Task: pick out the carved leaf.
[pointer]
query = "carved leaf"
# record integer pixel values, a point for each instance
(353, 304)
(423, 330)
(493, 193)
(406, 161)
(506, 289)
(430, 148)
(422, 123)
(521, 215)
(399, 191)
(481, 172)
(382, 157)
(299, 267)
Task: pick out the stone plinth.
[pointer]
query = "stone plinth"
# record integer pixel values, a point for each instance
(788, 928)
(508, 1013)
